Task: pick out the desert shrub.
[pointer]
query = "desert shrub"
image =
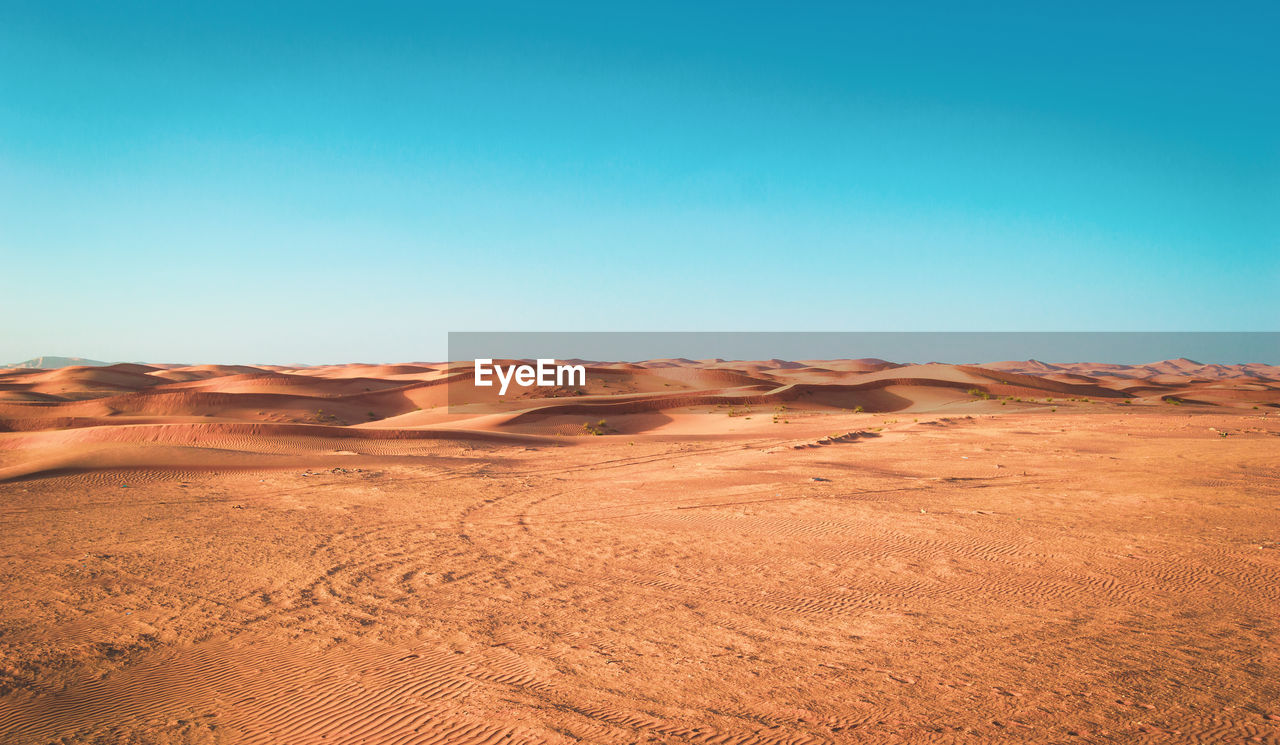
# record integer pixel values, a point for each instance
(599, 428)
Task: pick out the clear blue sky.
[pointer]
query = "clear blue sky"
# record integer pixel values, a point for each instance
(319, 183)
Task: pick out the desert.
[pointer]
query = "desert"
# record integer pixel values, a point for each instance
(822, 551)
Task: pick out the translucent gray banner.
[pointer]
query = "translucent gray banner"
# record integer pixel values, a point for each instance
(505, 349)
(1128, 348)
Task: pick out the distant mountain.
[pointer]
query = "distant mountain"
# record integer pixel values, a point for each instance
(49, 363)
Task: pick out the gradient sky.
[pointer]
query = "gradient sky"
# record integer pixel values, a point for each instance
(321, 183)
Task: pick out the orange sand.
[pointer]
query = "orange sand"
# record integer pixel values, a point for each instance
(222, 554)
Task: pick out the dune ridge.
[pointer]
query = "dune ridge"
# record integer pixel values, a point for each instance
(78, 411)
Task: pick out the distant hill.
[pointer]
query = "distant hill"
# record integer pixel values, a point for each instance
(48, 363)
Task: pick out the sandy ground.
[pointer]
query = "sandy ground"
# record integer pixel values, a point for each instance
(786, 569)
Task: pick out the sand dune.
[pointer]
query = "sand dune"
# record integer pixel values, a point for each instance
(413, 396)
(714, 552)
(51, 362)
